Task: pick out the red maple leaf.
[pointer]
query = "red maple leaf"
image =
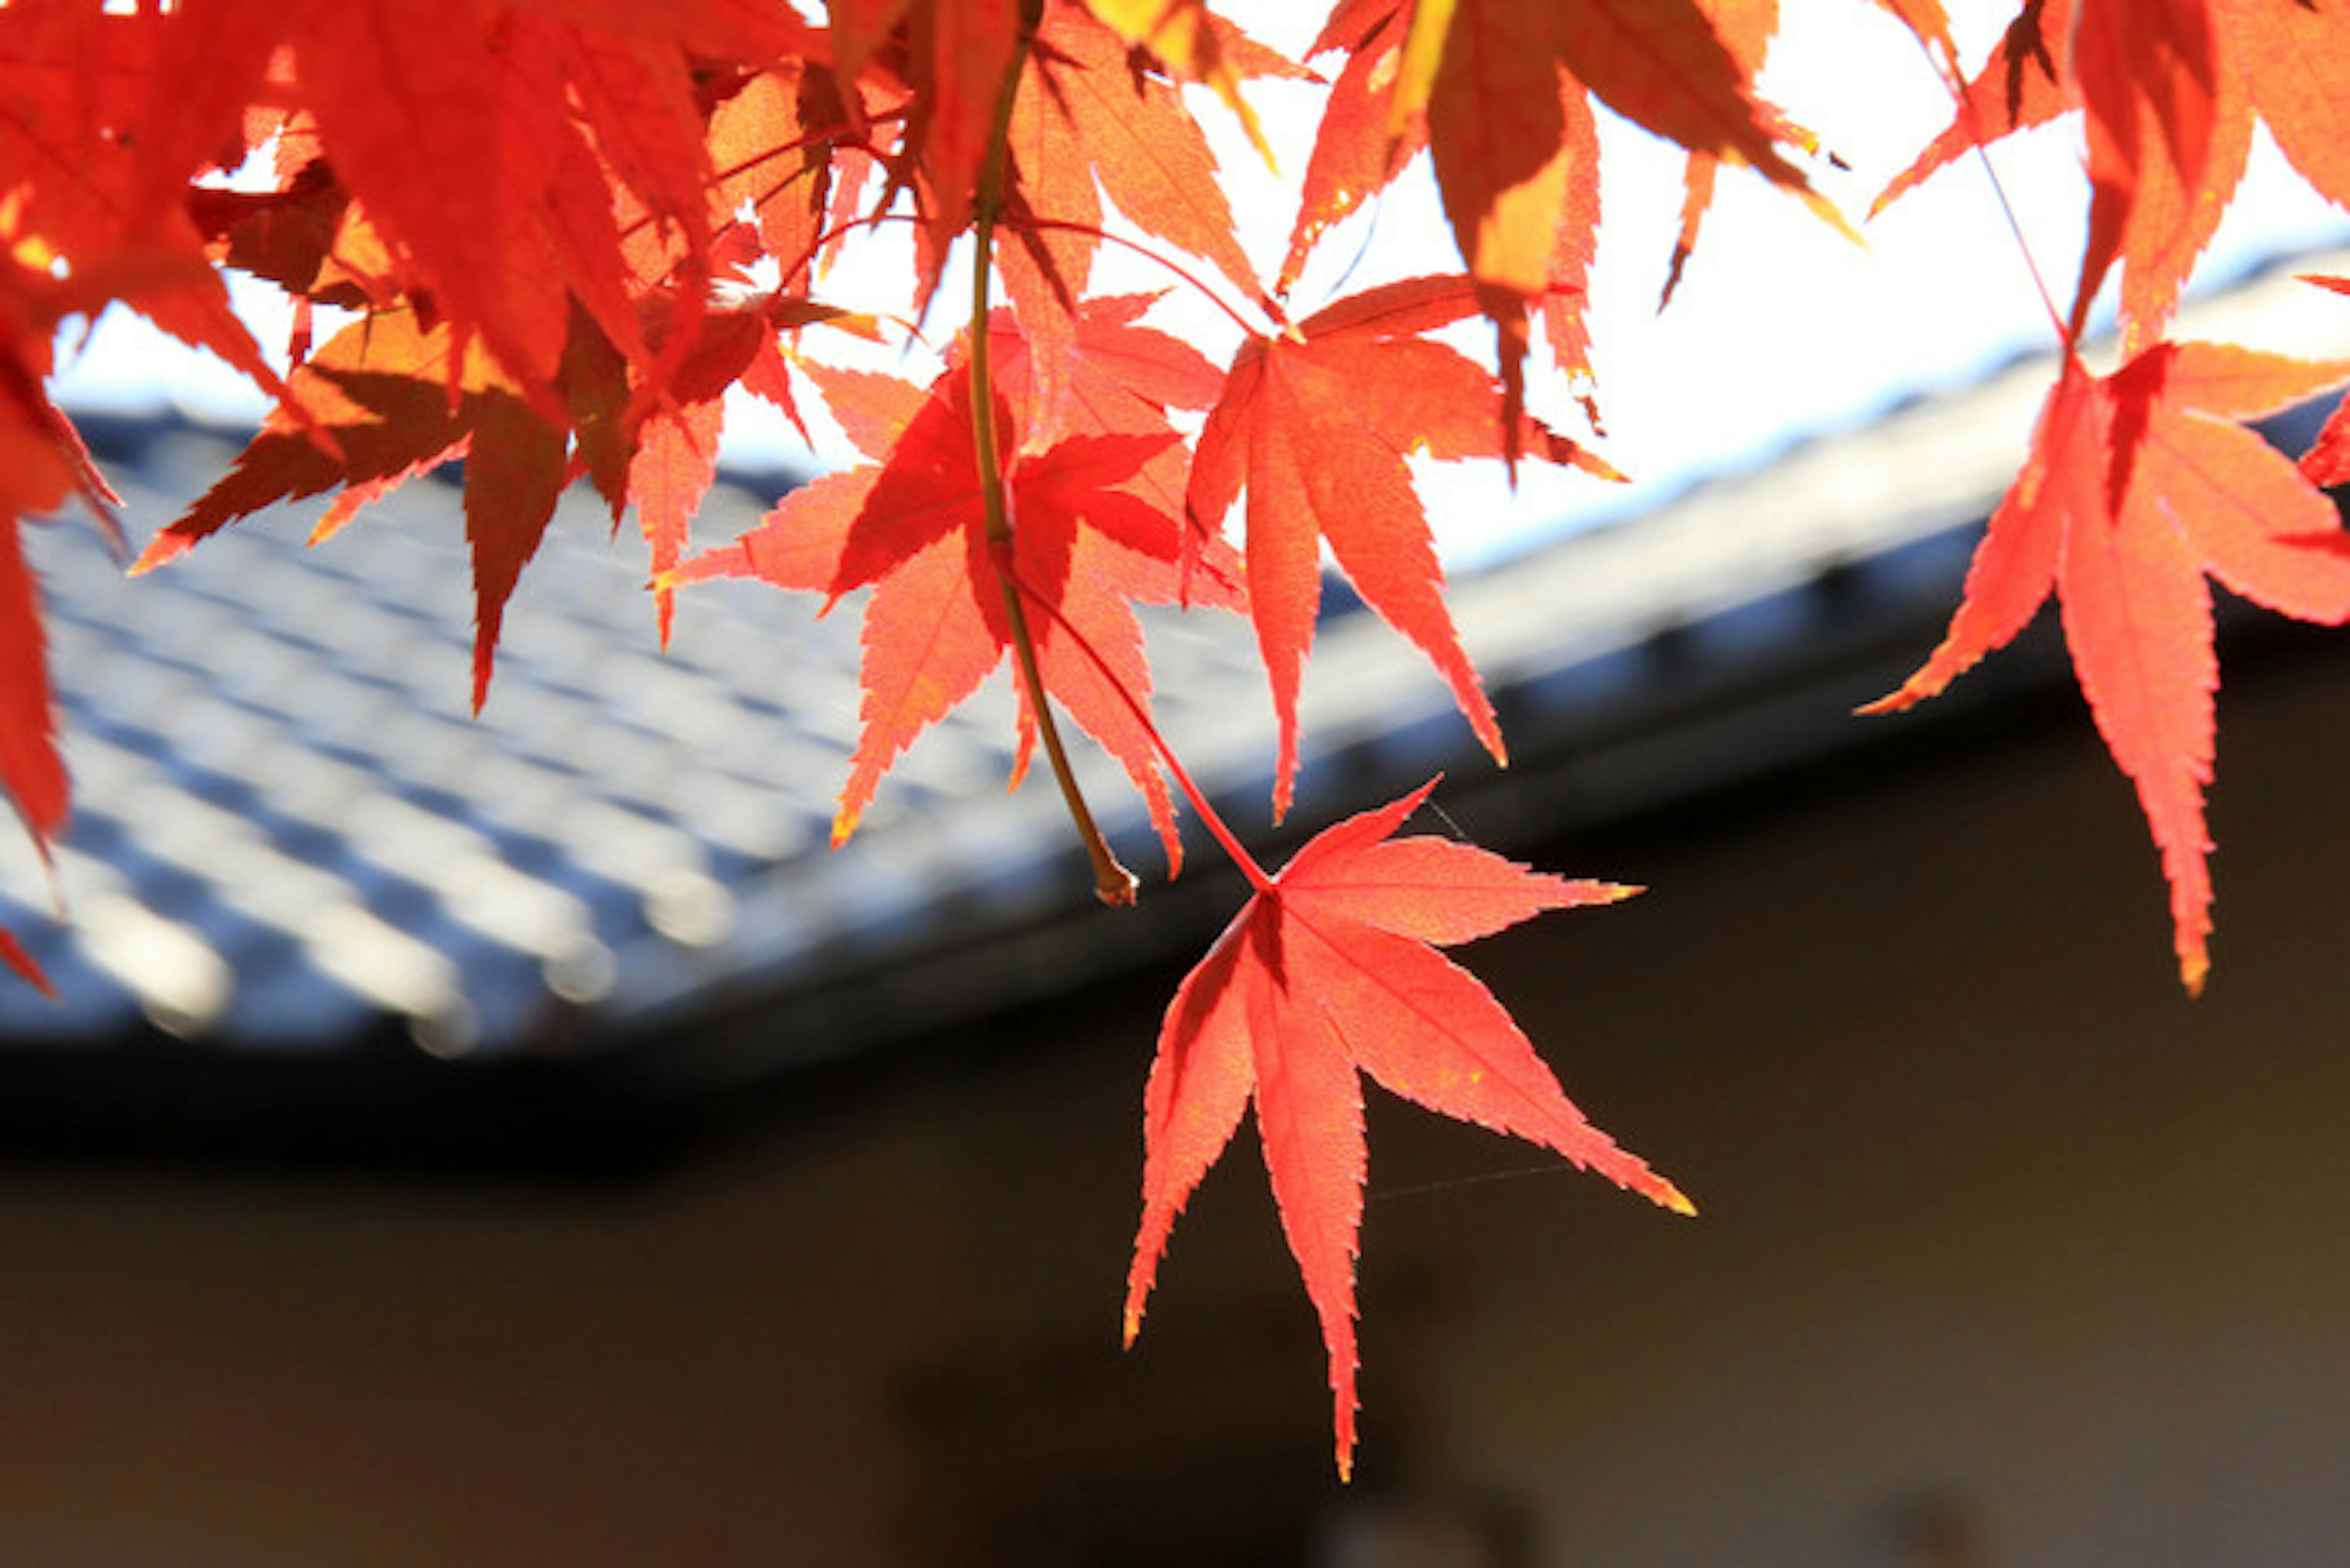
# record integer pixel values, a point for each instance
(2141, 484)
(940, 67)
(377, 408)
(2022, 83)
(1330, 971)
(560, 131)
(388, 399)
(109, 117)
(30, 768)
(1102, 373)
(1089, 542)
(781, 142)
(43, 462)
(1316, 424)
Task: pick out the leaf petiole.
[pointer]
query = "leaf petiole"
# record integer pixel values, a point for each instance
(1113, 884)
(1259, 879)
(1274, 312)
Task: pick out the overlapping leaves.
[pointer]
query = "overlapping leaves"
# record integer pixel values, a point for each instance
(2139, 484)
(1096, 533)
(567, 228)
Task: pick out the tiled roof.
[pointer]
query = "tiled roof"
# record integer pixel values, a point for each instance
(288, 831)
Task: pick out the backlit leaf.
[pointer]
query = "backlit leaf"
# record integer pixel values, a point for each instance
(1328, 973)
(2138, 487)
(1315, 425)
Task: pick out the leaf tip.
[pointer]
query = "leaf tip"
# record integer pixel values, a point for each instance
(1488, 730)
(1671, 1197)
(2194, 968)
(1829, 213)
(164, 547)
(27, 967)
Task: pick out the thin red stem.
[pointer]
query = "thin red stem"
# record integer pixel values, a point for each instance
(1225, 838)
(833, 136)
(830, 135)
(1065, 225)
(816, 247)
(1975, 141)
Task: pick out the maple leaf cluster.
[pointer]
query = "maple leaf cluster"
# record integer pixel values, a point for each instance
(2142, 483)
(550, 238)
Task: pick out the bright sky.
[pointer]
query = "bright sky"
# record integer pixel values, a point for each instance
(1781, 328)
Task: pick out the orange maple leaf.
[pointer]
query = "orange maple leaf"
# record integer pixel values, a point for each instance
(1315, 425)
(1196, 45)
(2141, 484)
(1330, 971)
(1089, 543)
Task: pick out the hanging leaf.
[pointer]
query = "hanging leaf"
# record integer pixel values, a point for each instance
(1330, 972)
